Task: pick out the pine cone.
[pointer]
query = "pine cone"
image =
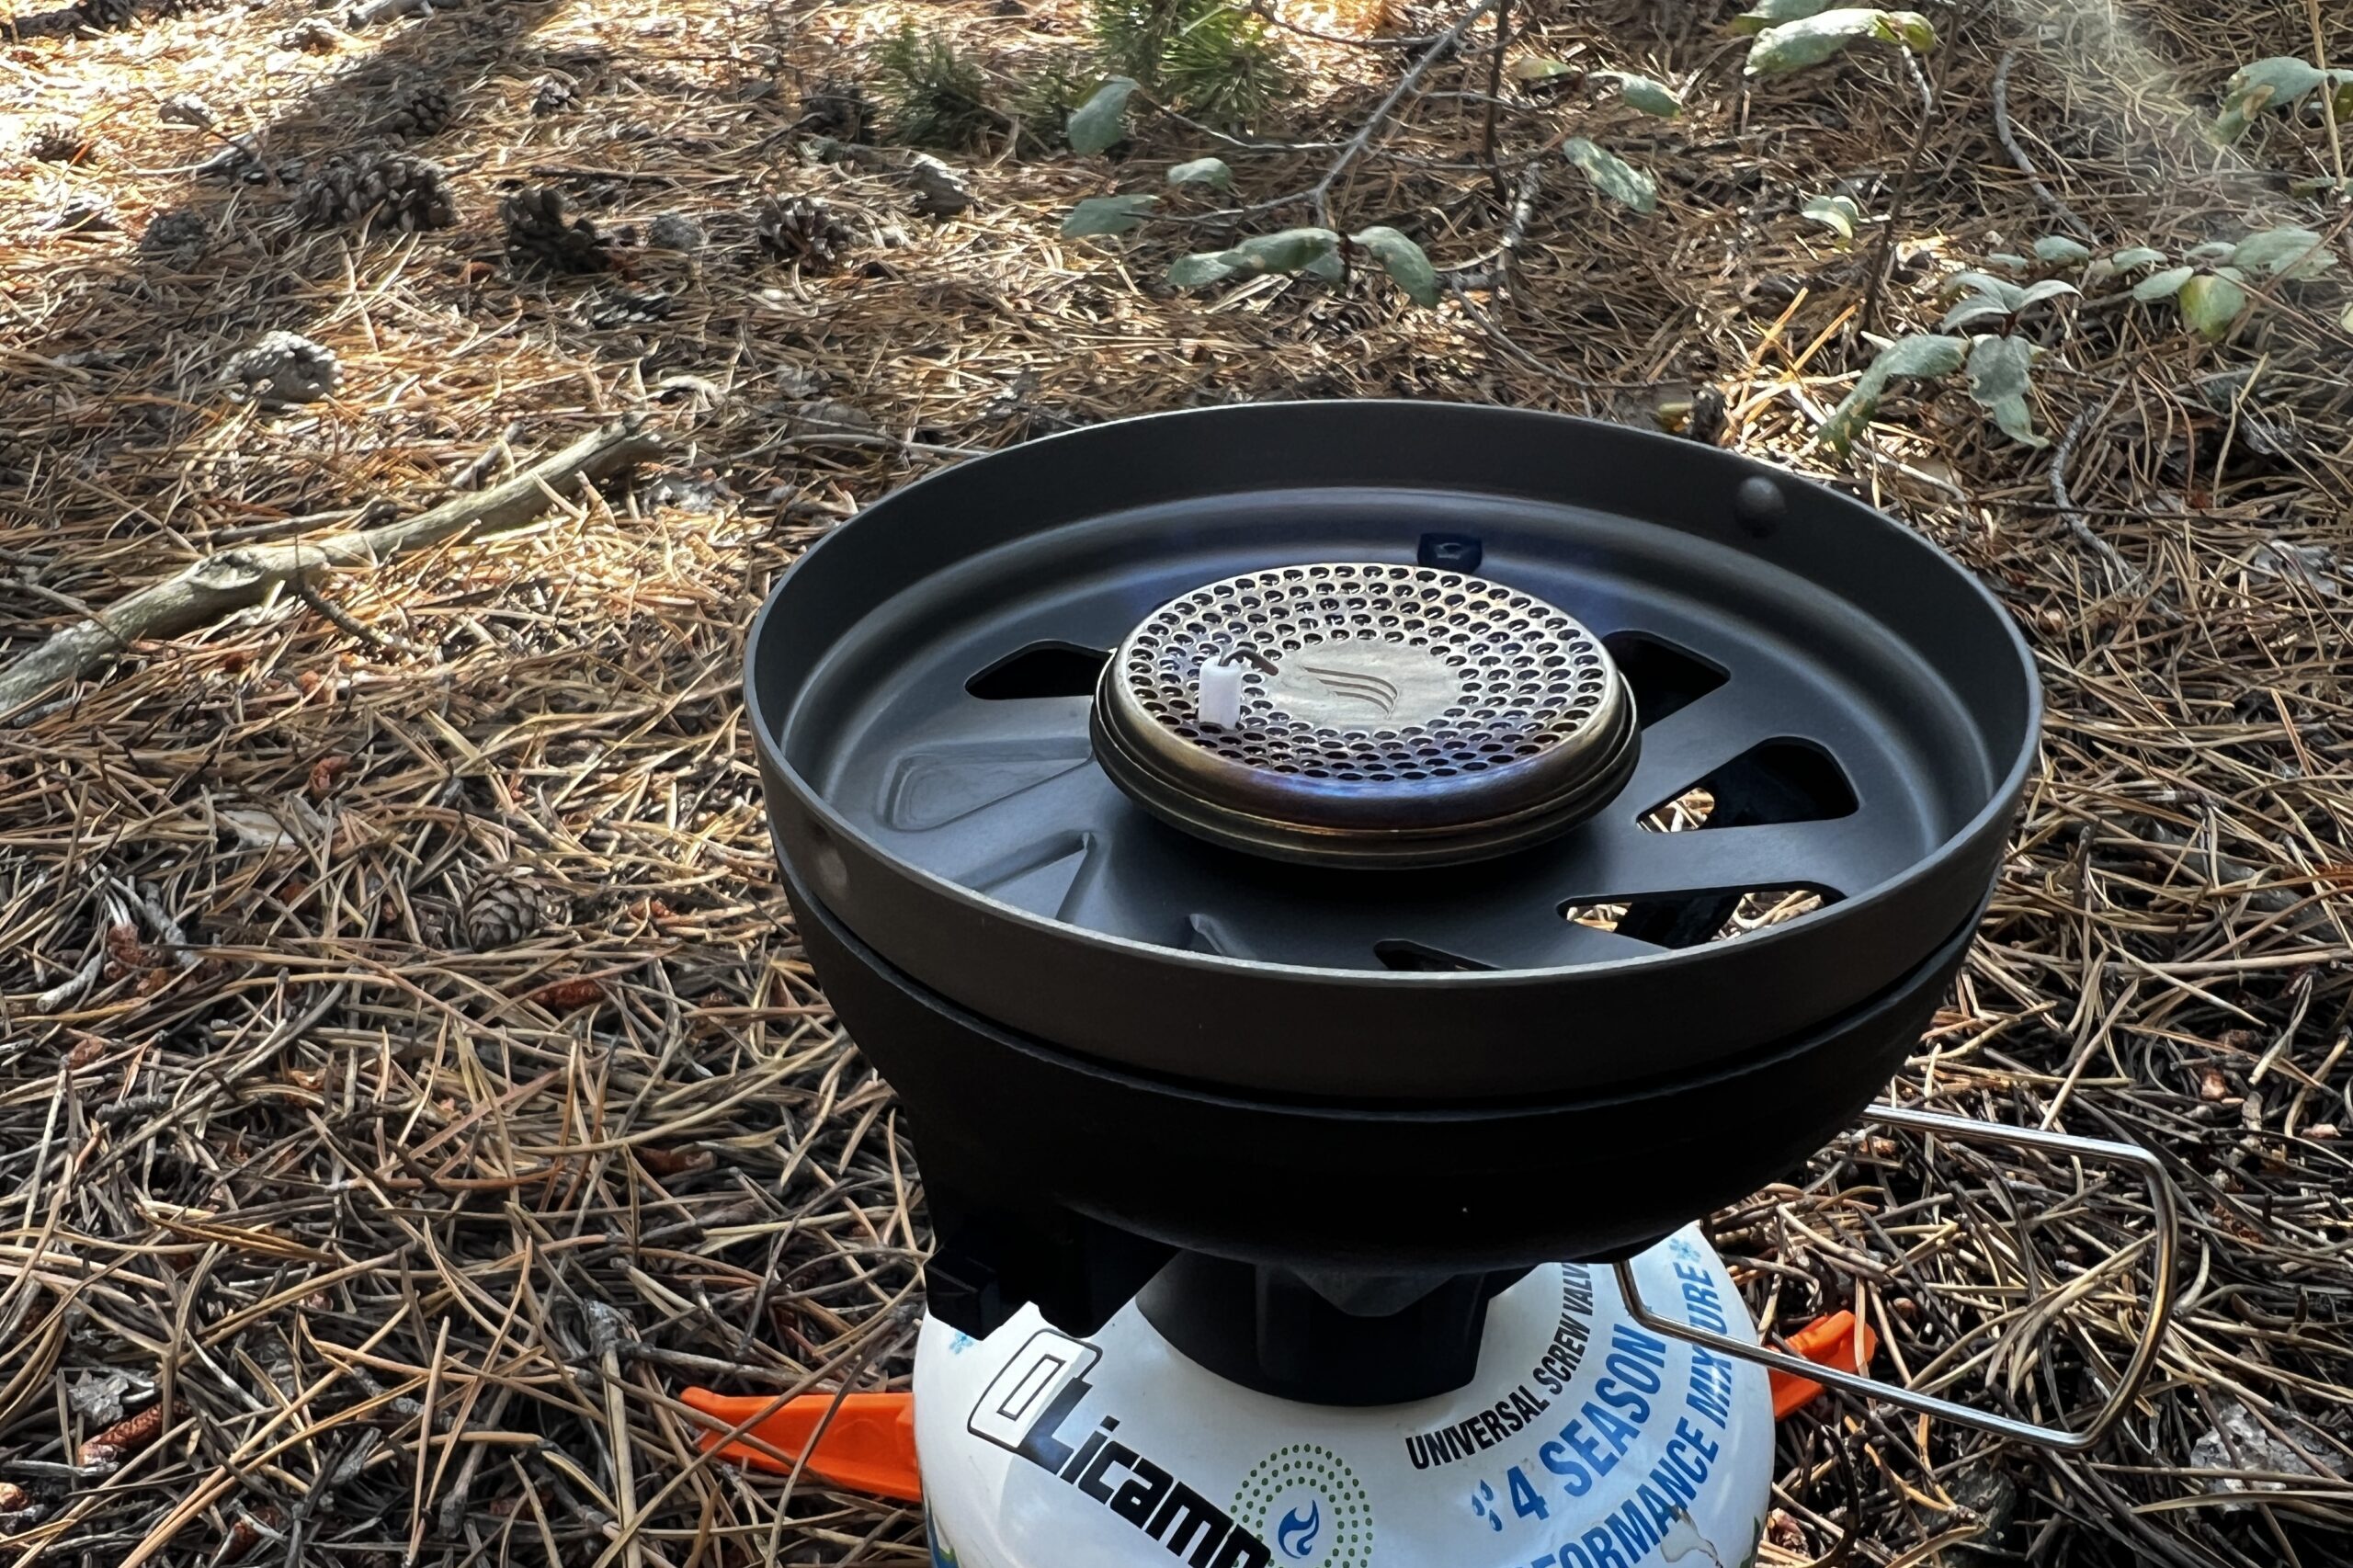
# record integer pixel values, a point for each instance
(56, 142)
(629, 307)
(419, 107)
(553, 94)
(803, 228)
(384, 190)
(186, 109)
(838, 109)
(941, 191)
(1710, 417)
(499, 912)
(60, 22)
(180, 231)
(312, 35)
(105, 15)
(537, 232)
(285, 367)
(675, 231)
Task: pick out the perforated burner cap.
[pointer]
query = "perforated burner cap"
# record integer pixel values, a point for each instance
(1354, 713)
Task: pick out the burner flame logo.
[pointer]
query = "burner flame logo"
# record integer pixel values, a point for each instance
(1355, 686)
(1304, 1505)
(1296, 1535)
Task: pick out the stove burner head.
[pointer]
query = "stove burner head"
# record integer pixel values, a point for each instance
(1365, 714)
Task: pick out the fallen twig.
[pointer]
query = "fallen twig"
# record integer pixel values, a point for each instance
(238, 579)
(2060, 455)
(2003, 130)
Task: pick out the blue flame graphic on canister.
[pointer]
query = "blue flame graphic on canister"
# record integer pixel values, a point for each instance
(1296, 1535)
(1304, 1505)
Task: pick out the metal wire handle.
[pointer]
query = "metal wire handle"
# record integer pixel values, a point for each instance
(2136, 1370)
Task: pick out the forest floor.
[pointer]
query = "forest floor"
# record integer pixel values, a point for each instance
(409, 1076)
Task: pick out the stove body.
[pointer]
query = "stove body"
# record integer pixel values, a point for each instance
(1241, 838)
(1582, 1441)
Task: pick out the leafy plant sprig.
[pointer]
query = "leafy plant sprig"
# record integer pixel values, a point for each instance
(2279, 84)
(1838, 212)
(1102, 122)
(1317, 252)
(2209, 286)
(2000, 382)
(1985, 297)
(2000, 363)
(1794, 34)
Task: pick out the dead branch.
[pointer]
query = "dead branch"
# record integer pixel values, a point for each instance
(221, 584)
(2001, 128)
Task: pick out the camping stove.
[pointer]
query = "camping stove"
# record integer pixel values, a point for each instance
(1339, 889)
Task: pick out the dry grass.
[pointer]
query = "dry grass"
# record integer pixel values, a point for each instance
(415, 1242)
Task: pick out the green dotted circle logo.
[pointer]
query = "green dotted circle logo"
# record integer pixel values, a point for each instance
(1309, 1507)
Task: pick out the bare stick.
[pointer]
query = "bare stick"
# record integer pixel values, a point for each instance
(2328, 92)
(343, 620)
(1320, 191)
(2018, 154)
(1886, 249)
(1494, 96)
(218, 585)
(2091, 414)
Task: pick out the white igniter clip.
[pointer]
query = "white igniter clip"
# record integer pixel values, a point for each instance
(1221, 703)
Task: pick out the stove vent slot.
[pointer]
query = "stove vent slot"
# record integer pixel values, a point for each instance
(1779, 782)
(1042, 669)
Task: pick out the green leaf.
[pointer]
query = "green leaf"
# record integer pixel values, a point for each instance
(1205, 266)
(1773, 13)
(1327, 268)
(1312, 251)
(1838, 211)
(1977, 307)
(2276, 83)
(2048, 289)
(2136, 255)
(1402, 260)
(2013, 297)
(2288, 254)
(2209, 304)
(1989, 296)
(2163, 285)
(1102, 121)
(2008, 262)
(1809, 40)
(1917, 356)
(2061, 250)
(1203, 171)
(1108, 215)
(2212, 250)
(1615, 177)
(1644, 93)
(1289, 250)
(1998, 380)
(1538, 68)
